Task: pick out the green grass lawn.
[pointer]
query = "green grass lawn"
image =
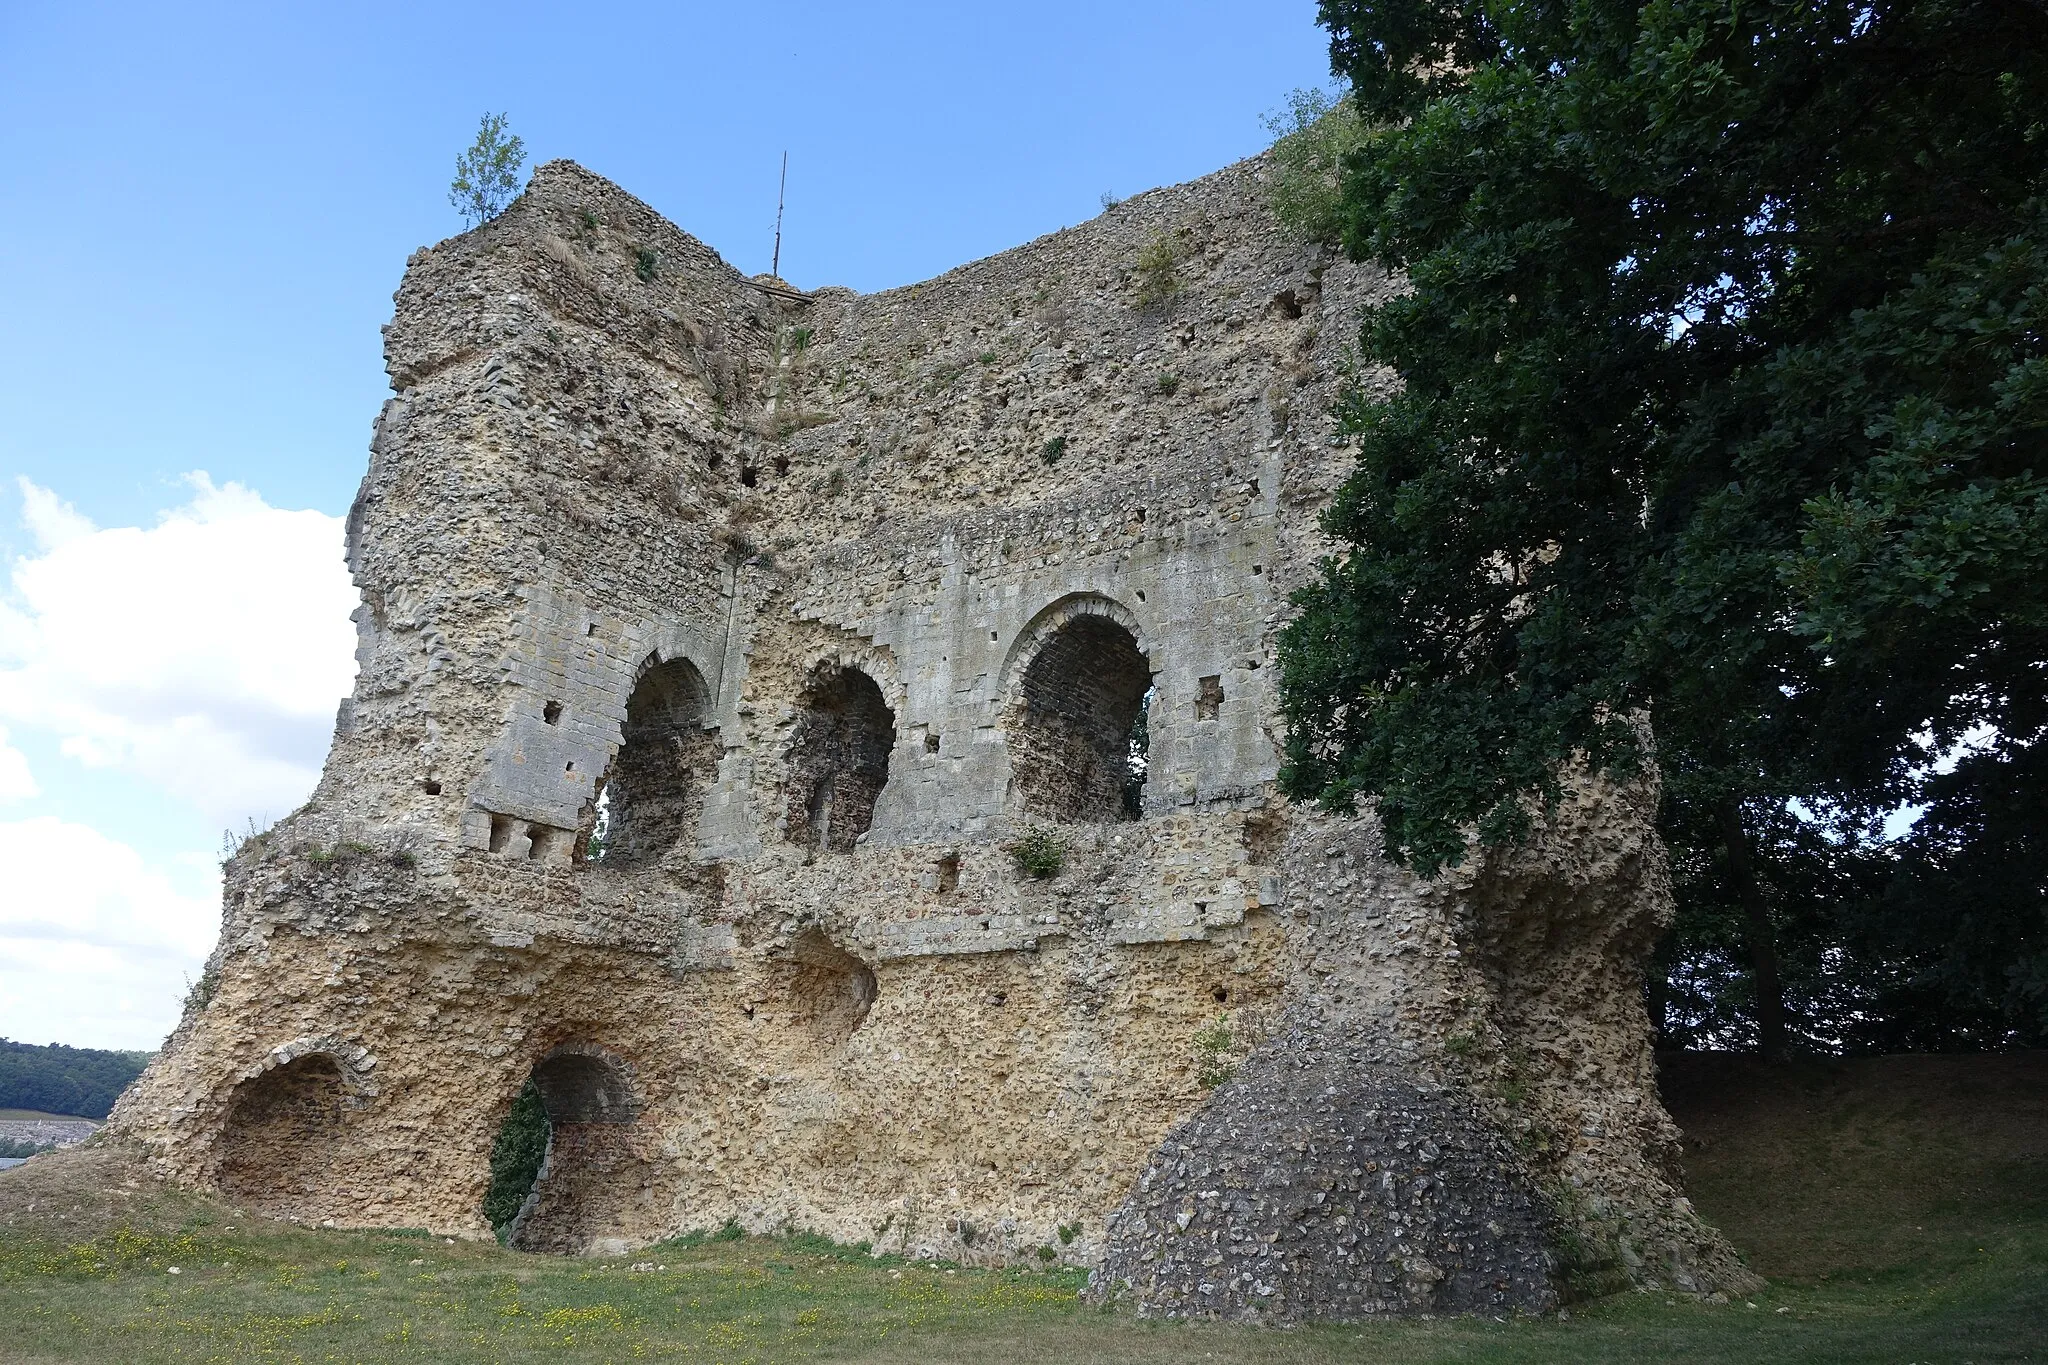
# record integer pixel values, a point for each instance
(1899, 1218)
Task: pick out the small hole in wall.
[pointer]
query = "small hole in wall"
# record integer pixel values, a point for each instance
(1265, 834)
(501, 833)
(1201, 907)
(538, 838)
(591, 629)
(949, 873)
(431, 787)
(1258, 568)
(1141, 516)
(1252, 664)
(552, 713)
(749, 475)
(713, 460)
(931, 744)
(1141, 596)
(747, 1010)
(992, 635)
(998, 997)
(1210, 698)
(782, 464)
(1221, 995)
(570, 768)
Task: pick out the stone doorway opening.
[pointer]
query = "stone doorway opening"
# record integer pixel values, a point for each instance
(286, 1138)
(567, 1172)
(1078, 728)
(838, 758)
(651, 797)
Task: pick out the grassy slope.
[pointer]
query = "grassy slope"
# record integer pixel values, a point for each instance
(1900, 1207)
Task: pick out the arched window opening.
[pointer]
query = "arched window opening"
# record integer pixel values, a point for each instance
(565, 1166)
(285, 1138)
(1079, 738)
(838, 759)
(650, 799)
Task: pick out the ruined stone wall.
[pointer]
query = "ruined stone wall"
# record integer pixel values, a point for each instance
(716, 642)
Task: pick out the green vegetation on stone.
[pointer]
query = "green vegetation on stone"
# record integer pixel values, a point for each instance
(1158, 272)
(487, 175)
(1896, 1205)
(1311, 139)
(516, 1157)
(1724, 403)
(1039, 853)
(1213, 1042)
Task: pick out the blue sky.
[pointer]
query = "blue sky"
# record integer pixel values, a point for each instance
(204, 213)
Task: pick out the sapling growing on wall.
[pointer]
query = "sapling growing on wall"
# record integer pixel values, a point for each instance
(1038, 853)
(1213, 1042)
(1312, 137)
(487, 175)
(1158, 270)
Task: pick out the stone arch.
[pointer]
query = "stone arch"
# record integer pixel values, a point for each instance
(838, 755)
(653, 793)
(595, 1184)
(1076, 685)
(285, 1141)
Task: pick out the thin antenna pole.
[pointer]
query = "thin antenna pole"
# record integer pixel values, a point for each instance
(775, 267)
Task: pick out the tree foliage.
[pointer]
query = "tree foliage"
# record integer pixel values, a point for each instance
(518, 1153)
(1723, 400)
(65, 1080)
(487, 175)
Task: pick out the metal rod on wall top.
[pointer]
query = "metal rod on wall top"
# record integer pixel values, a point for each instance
(775, 265)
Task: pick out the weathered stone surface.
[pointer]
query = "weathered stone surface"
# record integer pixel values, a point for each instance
(1325, 1183)
(832, 597)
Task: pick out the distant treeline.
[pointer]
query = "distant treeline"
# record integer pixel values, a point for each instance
(65, 1080)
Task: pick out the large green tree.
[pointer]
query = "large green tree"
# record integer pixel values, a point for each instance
(1723, 401)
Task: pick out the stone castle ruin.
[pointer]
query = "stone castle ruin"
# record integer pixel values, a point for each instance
(826, 742)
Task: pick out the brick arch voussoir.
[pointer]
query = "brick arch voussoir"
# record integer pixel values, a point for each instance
(1043, 628)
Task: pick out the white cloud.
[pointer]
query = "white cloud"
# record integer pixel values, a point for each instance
(50, 519)
(17, 783)
(205, 654)
(95, 945)
(202, 656)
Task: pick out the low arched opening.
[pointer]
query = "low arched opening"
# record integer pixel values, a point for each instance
(284, 1146)
(566, 1168)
